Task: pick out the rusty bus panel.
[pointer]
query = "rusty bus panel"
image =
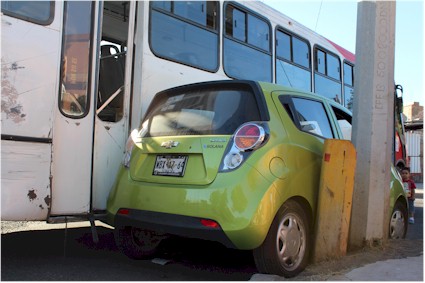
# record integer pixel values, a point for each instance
(25, 182)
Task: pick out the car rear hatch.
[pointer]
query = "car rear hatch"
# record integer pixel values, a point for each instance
(186, 130)
(191, 160)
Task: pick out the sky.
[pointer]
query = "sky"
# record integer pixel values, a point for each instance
(337, 21)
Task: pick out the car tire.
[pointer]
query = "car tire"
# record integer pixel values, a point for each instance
(136, 243)
(286, 249)
(398, 221)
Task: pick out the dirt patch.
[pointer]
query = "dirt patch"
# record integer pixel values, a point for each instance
(393, 249)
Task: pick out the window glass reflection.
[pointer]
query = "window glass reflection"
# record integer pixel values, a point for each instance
(313, 117)
(243, 62)
(40, 12)
(328, 87)
(292, 76)
(76, 58)
(183, 42)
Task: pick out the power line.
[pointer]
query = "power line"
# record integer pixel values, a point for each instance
(318, 15)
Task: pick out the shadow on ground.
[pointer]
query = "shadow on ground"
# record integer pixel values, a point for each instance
(71, 254)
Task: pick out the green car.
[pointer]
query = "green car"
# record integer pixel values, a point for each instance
(237, 162)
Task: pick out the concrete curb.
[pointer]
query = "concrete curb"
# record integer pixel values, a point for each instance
(404, 269)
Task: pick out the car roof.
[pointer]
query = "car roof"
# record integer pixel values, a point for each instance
(270, 87)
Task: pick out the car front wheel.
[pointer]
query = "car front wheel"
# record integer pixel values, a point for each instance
(285, 250)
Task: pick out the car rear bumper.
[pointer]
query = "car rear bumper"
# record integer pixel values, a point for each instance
(172, 224)
(243, 207)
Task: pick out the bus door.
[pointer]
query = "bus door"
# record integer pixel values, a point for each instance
(113, 97)
(74, 118)
(92, 129)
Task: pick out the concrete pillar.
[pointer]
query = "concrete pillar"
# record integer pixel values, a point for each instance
(373, 129)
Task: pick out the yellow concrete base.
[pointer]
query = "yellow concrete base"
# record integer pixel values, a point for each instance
(334, 200)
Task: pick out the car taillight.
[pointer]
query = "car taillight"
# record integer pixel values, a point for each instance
(209, 223)
(233, 160)
(123, 211)
(247, 138)
(131, 141)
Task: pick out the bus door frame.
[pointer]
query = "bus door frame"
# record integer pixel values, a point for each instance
(110, 137)
(73, 142)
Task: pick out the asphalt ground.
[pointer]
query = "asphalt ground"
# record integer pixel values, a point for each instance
(63, 252)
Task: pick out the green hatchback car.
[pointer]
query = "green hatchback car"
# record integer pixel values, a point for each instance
(237, 162)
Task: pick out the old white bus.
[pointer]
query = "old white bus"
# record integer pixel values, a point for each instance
(77, 76)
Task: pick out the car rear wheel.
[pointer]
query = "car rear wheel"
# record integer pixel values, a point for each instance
(398, 222)
(136, 243)
(285, 251)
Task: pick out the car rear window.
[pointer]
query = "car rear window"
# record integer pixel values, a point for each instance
(208, 111)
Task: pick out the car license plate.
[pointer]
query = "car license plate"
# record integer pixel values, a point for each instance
(170, 165)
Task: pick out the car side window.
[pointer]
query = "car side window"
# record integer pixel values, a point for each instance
(312, 117)
(344, 122)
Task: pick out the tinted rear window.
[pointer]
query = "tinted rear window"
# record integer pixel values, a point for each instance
(205, 112)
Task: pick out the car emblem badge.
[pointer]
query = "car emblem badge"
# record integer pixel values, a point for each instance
(169, 144)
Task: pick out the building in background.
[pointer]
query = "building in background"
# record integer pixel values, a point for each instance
(414, 122)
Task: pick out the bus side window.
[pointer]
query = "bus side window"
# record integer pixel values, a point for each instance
(39, 12)
(327, 76)
(348, 85)
(292, 60)
(185, 32)
(246, 45)
(320, 62)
